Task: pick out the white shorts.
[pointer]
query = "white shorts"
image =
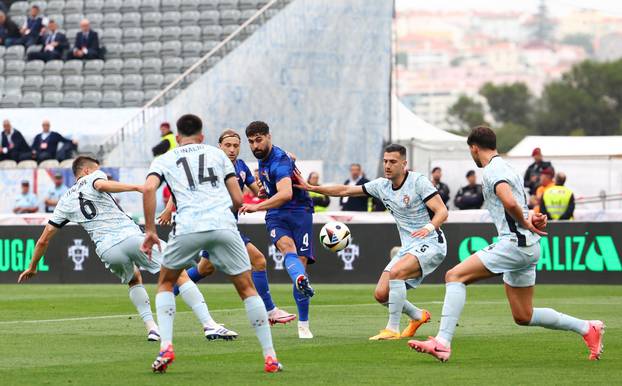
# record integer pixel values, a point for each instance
(517, 264)
(225, 247)
(122, 258)
(430, 254)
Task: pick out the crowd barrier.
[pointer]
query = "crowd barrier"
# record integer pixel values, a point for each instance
(573, 252)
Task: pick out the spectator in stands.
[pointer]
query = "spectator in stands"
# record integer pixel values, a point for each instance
(14, 146)
(168, 141)
(86, 45)
(55, 193)
(471, 195)
(31, 30)
(532, 174)
(45, 144)
(442, 188)
(558, 201)
(9, 31)
(355, 204)
(546, 182)
(55, 43)
(26, 202)
(320, 201)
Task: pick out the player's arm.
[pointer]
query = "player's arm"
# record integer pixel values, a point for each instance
(234, 191)
(330, 190)
(284, 193)
(504, 192)
(167, 214)
(436, 205)
(254, 187)
(149, 206)
(40, 249)
(107, 186)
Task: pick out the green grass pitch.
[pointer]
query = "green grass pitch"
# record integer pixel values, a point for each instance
(90, 335)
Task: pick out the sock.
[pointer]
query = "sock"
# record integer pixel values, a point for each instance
(455, 296)
(194, 275)
(397, 296)
(194, 299)
(302, 302)
(165, 308)
(409, 310)
(294, 266)
(257, 315)
(551, 319)
(140, 298)
(260, 278)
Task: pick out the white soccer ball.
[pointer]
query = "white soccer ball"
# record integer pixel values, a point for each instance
(335, 236)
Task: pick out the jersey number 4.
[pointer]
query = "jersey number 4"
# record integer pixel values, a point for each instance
(211, 177)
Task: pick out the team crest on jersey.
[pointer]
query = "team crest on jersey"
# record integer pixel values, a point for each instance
(406, 199)
(273, 233)
(265, 175)
(242, 176)
(78, 253)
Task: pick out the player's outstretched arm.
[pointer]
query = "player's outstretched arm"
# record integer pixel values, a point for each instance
(40, 249)
(116, 187)
(441, 213)
(149, 206)
(504, 192)
(330, 190)
(283, 194)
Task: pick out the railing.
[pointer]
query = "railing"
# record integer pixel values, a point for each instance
(602, 197)
(154, 107)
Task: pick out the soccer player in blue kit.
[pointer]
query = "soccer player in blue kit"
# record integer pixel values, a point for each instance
(289, 217)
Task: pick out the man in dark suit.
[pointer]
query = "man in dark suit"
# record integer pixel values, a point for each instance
(87, 43)
(45, 144)
(442, 188)
(31, 30)
(355, 204)
(9, 31)
(55, 43)
(14, 146)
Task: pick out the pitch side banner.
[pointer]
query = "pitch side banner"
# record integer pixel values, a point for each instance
(573, 252)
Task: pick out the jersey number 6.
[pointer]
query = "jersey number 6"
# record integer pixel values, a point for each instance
(211, 177)
(87, 207)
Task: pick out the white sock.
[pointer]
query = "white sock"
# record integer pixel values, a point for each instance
(397, 296)
(304, 323)
(165, 308)
(551, 319)
(140, 298)
(195, 300)
(257, 315)
(455, 296)
(412, 311)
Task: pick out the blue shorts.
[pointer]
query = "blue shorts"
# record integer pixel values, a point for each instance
(298, 225)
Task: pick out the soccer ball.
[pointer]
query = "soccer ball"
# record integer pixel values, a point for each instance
(335, 236)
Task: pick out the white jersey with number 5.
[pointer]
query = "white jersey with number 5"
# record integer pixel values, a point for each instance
(97, 212)
(196, 176)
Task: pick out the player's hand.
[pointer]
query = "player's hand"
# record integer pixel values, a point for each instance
(165, 217)
(420, 233)
(26, 275)
(248, 208)
(151, 239)
(292, 156)
(140, 188)
(537, 223)
(299, 182)
(262, 191)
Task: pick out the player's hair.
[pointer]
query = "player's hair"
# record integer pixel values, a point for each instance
(484, 137)
(395, 148)
(436, 169)
(228, 133)
(81, 162)
(189, 125)
(356, 164)
(257, 127)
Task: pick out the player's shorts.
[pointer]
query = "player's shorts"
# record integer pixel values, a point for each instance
(430, 254)
(224, 246)
(245, 239)
(517, 264)
(123, 257)
(295, 224)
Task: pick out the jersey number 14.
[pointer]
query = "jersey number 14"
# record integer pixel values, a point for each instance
(211, 177)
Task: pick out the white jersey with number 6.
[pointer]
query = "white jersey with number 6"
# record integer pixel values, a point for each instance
(97, 212)
(196, 176)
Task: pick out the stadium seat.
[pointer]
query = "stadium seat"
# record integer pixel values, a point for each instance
(73, 7)
(244, 5)
(55, 7)
(13, 83)
(52, 99)
(73, 83)
(32, 83)
(132, 50)
(151, 34)
(114, 51)
(33, 48)
(211, 32)
(93, 67)
(14, 53)
(151, 19)
(245, 15)
(59, 18)
(112, 35)
(171, 34)
(132, 82)
(112, 20)
(19, 8)
(227, 4)
(28, 164)
(19, 19)
(14, 67)
(53, 67)
(153, 81)
(191, 33)
(172, 94)
(208, 5)
(1, 78)
(93, 6)
(111, 99)
(149, 95)
(130, 6)
(209, 63)
(151, 49)
(96, 19)
(30, 99)
(2, 51)
(209, 17)
(49, 164)
(131, 66)
(52, 83)
(149, 6)
(172, 65)
(169, 5)
(229, 29)
(66, 164)
(170, 78)
(191, 49)
(11, 98)
(8, 164)
(72, 20)
(72, 67)
(133, 98)
(112, 82)
(191, 78)
(112, 66)
(189, 62)
(172, 48)
(1, 66)
(208, 46)
(111, 6)
(74, 99)
(93, 82)
(132, 35)
(189, 18)
(171, 18)
(91, 99)
(229, 17)
(131, 20)
(71, 34)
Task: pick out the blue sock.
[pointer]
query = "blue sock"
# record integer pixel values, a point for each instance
(194, 275)
(302, 302)
(260, 278)
(294, 266)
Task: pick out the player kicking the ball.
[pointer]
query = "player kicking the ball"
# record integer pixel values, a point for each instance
(289, 219)
(515, 256)
(229, 142)
(118, 240)
(204, 187)
(419, 212)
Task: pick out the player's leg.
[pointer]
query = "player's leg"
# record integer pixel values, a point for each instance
(203, 269)
(303, 301)
(140, 299)
(166, 309)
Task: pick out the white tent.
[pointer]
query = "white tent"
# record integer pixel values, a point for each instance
(562, 146)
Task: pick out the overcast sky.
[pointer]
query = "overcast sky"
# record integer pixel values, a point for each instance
(556, 7)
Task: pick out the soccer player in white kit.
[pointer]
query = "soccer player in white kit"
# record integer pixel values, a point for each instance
(419, 213)
(205, 190)
(515, 256)
(118, 240)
